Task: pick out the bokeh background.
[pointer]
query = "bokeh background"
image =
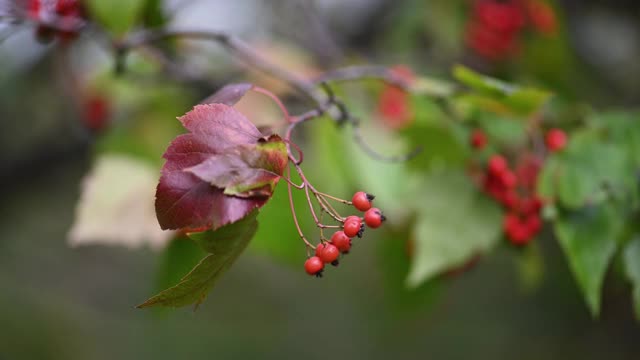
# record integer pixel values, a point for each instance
(64, 302)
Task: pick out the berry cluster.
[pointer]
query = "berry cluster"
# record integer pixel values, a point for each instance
(328, 251)
(61, 18)
(515, 187)
(495, 27)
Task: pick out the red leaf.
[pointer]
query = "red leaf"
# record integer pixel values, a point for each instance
(219, 172)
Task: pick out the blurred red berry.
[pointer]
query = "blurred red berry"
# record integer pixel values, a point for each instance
(497, 165)
(501, 16)
(395, 108)
(96, 113)
(556, 140)
(542, 17)
(478, 139)
(352, 228)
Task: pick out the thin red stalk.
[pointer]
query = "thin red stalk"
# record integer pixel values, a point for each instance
(293, 212)
(275, 99)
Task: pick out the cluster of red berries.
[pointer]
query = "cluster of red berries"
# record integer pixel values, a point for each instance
(328, 252)
(495, 27)
(394, 105)
(515, 188)
(61, 18)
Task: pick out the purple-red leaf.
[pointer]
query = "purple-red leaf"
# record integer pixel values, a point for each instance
(229, 94)
(219, 172)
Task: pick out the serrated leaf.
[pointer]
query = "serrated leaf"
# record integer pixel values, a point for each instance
(589, 240)
(224, 245)
(183, 199)
(632, 269)
(118, 16)
(442, 241)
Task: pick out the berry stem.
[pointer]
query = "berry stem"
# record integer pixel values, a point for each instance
(293, 213)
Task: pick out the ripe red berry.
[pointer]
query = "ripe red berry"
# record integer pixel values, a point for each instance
(478, 139)
(534, 224)
(329, 253)
(362, 201)
(373, 218)
(497, 165)
(314, 266)
(556, 139)
(341, 241)
(516, 229)
(352, 227)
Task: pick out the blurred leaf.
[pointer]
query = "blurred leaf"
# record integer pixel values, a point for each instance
(589, 240)
(153, 14)
(224, 246)
(118, 16)
(498, 96)
(482, 83)
(453, 224)
(116, 205)
(632, 269)
(531, 267)
(581, 173)
(395, 253)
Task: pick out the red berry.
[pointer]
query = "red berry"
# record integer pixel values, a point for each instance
(313, 266)
(497, 165)
(329, 253)
(352, 227)
(362, 201)
(534, 224)
(556, 139)
(478, 139)
(395, 107)
(508, 179)
(341, 241)
(501, 16)
(516, 230)
(373, 218)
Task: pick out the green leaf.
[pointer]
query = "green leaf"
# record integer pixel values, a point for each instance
(498, 96)
(589, 240)
(453, 224)
(224, 246)
(632, 269)
(118, 16)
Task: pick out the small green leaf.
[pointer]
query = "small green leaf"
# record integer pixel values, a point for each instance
(224, 246)
(453, 224)
(632, 269)
(118, 16)
(589, 240)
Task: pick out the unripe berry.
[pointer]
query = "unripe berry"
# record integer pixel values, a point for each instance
(556, 140)
(374, 218)
(352, 227)
(329, 253)
(314, 266)
(478, 139)
(362, 200)
(497, 165)
(341, 241)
